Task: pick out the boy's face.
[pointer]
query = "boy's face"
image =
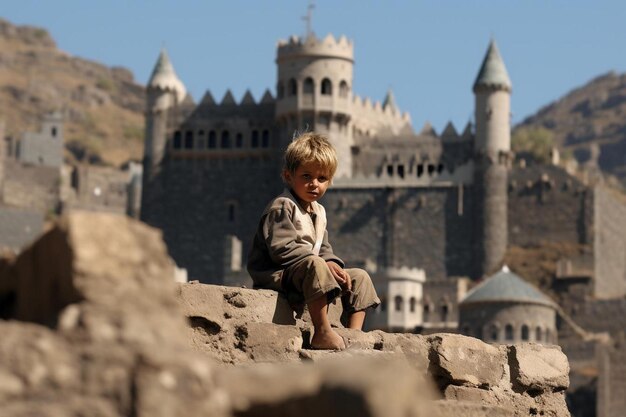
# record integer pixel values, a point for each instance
(309, 183)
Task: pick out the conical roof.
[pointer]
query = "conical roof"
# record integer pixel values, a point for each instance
(390, 101)
(492, 72)
(505, 286)
(164, 77)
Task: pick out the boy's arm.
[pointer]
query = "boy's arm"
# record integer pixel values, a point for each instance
(326, 251)
(281, 238)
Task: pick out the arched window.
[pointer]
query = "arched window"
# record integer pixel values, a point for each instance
(420, 170)
(327, 87)
(54, 132)
(494, 333)
(431, 169)
(444, 312)
(398, 303)
(255, 139)
(427, 310)
(239, 140)
(548, 336)
(292, 88)
(344, 90)
(525, 332)
(225, 139)
(401, 171)
(280, 90)
(265, 139)
(189, 139)
(308, 87)
(508, 332)
(412, 304)
(212, 139)
(538, 334)
(178, 140)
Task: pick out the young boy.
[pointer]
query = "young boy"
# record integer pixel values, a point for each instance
(291, 253)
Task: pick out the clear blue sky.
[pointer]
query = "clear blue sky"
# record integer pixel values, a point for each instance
(428, 52)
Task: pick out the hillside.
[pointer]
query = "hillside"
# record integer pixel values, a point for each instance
(589, 120)
(103, 106)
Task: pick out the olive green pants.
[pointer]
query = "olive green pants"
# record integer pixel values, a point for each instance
(310, 279)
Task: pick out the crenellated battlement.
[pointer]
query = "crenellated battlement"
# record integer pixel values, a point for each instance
(295, 46)
(228, 100)
(372, 117)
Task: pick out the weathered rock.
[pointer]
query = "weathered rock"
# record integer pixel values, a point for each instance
(341, 387)
(415, 347)
(222, 305)
(35, 362)
(538, 368)
(462, 360)
(471, 409)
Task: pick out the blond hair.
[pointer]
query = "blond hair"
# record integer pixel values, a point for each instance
(311, 147)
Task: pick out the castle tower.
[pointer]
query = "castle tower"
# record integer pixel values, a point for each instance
(492, 145)
(164, 91)
(314, 92)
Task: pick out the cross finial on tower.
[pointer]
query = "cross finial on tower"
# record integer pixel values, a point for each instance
(309, 19)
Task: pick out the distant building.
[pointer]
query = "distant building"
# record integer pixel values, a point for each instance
(507, 309)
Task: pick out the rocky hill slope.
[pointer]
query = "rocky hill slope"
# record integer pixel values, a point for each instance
(103, 106)
(589, 123)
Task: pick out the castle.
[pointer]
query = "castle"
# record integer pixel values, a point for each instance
(426, 214)
(233, 150)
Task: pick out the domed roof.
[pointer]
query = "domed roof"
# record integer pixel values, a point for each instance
(163, 76)
(492, 72)
(505, 286)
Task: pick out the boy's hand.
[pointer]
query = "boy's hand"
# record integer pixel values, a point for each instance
(340, 275)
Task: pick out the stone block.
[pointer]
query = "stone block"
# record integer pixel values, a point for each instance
(468, 394)
(462, 360)
(268, 342)
(416, 348)
(537, 367)
(340, 387)
(34, 361)
(471, 409)
(219, 304)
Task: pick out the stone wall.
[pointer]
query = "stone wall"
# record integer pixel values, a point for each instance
(609, 244)
(547, 204)
(99, 328)
(612, 380)
(33, 186)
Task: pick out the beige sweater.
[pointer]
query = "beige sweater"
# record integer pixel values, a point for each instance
(286, 235)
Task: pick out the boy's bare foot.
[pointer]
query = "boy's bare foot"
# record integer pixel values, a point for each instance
(327, 339)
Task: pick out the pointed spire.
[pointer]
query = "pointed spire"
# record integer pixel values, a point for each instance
(449, 133)
(492, 72)
(390, 101)
(248, 98)
(208, 99)
(467, 132)
(164, 77)
(228, 99)
(267, 97)
(428, 129)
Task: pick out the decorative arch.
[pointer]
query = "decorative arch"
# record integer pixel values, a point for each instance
(212, 140)
(494, 332)
(508, 332)
(344, 89)
(292, 87)
(225, 143)
(412, 304)
(327, 87)
(525, 332)
(178, 140)
(398, 301)
(538, 334)
(309, 86)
